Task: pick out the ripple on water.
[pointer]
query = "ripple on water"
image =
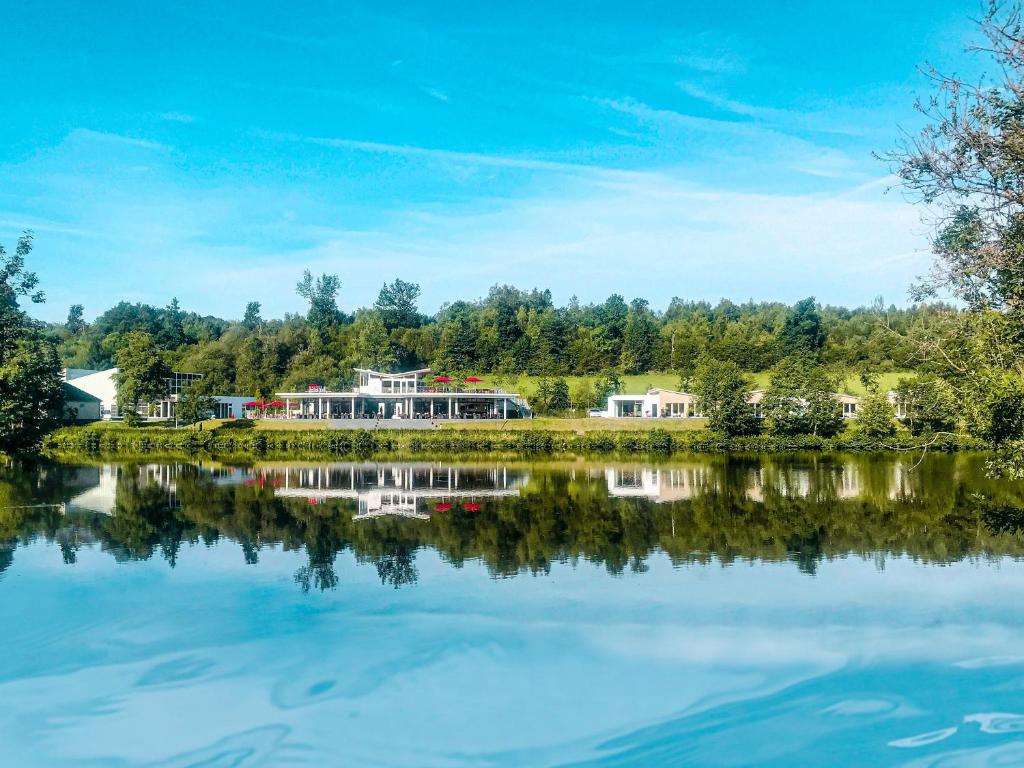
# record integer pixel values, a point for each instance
(1003, 756)
(185, 669)
(997, 722)
(923, 739)
(985, 662)
(855, 707)
(260, 746)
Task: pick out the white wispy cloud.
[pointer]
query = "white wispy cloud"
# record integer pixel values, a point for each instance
(178, 117)
(444, 155)
(88, 134)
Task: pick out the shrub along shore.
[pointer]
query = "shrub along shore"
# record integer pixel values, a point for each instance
(127, 440)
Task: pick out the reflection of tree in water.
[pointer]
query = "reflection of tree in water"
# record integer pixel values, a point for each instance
(1003, 519)
(397, 568)
(6, 555)
(804, 511)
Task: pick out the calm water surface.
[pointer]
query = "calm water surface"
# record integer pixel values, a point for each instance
(710, 611)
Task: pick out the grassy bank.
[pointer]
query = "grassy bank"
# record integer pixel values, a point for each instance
(637, 385)
(464, 441)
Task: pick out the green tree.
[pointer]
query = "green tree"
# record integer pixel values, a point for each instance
(396, 305)
(639, 339)
(582, 396)
(966, 166)
(721, 390)
(75, 323)
(928, 404)
(803, 331)
(141, 374)
(800, 399)
(457, 345)
(195, 403)
(172, 331)
(374, 345)
(31, 393)
(607, 384)
(322, 295)
(559, 400)
(16, 283)
(876, 416)
(252, 319)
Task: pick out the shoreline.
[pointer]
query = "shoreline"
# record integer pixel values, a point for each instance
(146, 440)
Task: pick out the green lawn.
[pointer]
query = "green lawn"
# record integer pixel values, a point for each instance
(637, 385)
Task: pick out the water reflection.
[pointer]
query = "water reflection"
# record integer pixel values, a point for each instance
(520, 516)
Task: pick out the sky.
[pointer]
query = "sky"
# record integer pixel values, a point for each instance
(214, 151)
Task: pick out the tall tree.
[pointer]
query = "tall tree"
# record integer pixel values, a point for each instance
(141, 374)
(252, 319)
(322, 295)
(803, 330)
(31, 393)
(195, 403)
(16, 283)
(967, 168)
(639, 338)
(172, 322)
(800, 400)
(721, 389)
(396, 305)
(75, 323)
(374, 345)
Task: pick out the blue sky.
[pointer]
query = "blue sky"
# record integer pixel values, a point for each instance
(214, 151)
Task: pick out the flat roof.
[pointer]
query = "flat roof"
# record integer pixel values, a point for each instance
(391, 395)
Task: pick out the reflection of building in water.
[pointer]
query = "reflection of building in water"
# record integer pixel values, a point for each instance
(100, 493)
(901, 482)
(408, 489)
(755, 482)
(662, 484)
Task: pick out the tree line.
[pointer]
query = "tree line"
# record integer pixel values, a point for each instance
(511, 331)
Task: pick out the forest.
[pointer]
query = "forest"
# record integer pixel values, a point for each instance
(511, 331)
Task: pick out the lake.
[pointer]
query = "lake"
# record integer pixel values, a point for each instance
(779, 611)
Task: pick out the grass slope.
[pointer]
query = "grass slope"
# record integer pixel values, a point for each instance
(637, 385)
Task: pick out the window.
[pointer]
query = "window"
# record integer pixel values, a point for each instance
(849, 410)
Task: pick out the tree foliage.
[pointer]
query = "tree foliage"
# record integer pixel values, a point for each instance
(800, 399)
(396, 305)
(928, 404)
(31, 393)
(195, 403)
(876, 416)
(721, 389)
(141, 373)
(322, 295)
(803, 332)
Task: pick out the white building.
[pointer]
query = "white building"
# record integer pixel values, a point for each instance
(669, 404)
(103, 386)
(408, 395)
(656, 404)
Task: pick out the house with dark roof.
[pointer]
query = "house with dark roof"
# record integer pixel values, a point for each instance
(79, 405)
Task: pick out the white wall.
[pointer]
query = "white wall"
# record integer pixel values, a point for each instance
(100, 384)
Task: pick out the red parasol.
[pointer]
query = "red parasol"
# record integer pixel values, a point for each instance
(275, 404)
(473, 379)
(443, 507)
(442, 379)
(255, 404)
(471, 507)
